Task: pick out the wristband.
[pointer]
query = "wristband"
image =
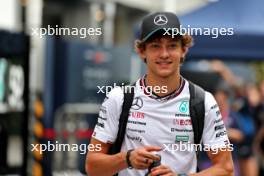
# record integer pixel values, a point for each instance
(182, 175)
(127, 159)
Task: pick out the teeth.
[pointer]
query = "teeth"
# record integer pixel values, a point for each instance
(163, 62)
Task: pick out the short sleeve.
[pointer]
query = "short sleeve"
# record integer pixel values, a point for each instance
(107, 126)
(214, 133)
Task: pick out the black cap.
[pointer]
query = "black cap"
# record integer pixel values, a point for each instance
(157, 21)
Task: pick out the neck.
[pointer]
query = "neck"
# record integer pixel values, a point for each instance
(171, 83)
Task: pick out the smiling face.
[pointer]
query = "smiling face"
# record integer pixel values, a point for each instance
(163, 56)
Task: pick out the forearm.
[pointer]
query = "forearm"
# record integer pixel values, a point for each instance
(216, 170)
(99, 164)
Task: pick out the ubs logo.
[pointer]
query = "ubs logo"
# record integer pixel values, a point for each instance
(137, 103)
(137, 115)
(160, 20)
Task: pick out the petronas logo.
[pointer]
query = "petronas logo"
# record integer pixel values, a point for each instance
(183, 108)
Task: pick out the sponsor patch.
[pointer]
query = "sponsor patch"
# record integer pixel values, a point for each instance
(136, 122)
(214, 106)
(219, 127)
(184, 107)
(134, 138)
(182, 122)
(219, 134)
(217, 121)
(137, 115)
(103, 109)
(182, 115)
(136, 130)
(100, 124)
(181, 130)
(137, 103)
(182, 138)
(103, 118)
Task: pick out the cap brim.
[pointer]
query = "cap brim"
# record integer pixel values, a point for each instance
(151, 33)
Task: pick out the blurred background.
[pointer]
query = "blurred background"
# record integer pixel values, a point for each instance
(48, 83)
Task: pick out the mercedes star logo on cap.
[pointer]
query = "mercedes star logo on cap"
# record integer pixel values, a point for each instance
(160, 20)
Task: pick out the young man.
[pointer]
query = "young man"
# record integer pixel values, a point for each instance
(158, 118)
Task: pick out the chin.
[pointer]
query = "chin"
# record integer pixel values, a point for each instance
(165, 74)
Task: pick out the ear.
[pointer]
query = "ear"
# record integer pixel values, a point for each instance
(184, 51)
(141, 52)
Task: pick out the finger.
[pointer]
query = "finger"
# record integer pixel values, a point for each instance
(170, 174)
(145, 154)
(146, 161)
(160, 171)
(152, 148)
(141, 166)
(159, 167)
(150, 156)
(142, 162)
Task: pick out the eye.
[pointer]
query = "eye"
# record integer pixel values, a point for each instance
(173, 45)
(154, 45)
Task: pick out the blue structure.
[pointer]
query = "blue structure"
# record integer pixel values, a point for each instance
(245, 17)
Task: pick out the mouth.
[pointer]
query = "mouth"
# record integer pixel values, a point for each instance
(164, 63)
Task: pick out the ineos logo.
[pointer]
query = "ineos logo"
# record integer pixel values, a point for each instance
(137, 103)
(160, 20)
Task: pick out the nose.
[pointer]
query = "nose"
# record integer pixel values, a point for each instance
(164, 53)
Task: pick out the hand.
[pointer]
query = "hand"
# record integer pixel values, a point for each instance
(142, 158)
(235, 135)
(162, 170)
(218, 66)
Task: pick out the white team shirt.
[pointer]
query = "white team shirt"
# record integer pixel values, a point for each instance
(160, 122)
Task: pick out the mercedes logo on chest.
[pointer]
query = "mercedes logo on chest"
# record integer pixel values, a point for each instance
(137, 103)
(160, 20)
